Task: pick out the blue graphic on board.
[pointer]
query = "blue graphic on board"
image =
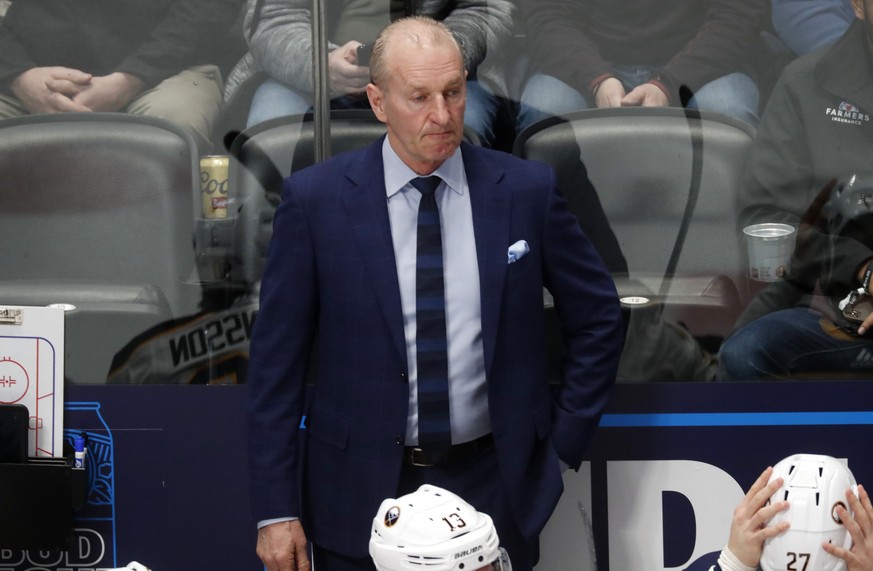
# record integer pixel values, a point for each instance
(94, 537)
(95, 524)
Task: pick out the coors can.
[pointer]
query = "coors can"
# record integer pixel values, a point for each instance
(213, 185)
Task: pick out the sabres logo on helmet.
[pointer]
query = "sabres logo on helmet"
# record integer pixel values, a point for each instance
(392, 515)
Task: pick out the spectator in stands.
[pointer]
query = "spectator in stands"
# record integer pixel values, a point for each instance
(620, 53)
(144, 57)
(806, 25)
(815, 130)
(280, 42)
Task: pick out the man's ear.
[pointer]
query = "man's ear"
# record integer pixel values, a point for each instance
(377, 100)
(858, 7)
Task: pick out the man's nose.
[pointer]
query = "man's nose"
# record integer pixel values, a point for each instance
(440, 110)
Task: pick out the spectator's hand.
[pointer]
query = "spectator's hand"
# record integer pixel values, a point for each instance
(51, 89)
(867, 323)
(609, 93)
(749, 527)
(110, 92)
(860, 527)
(282, 547)
(346, 77)
(645, 95)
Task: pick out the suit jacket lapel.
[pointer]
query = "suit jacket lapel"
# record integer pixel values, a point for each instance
(491, 205)
(366, 206)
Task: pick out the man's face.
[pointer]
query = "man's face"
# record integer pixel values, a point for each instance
(422, 102)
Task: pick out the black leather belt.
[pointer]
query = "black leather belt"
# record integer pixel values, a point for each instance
(415, 456)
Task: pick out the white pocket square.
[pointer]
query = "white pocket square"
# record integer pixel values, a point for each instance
(517, 251)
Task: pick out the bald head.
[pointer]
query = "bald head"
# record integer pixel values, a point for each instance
(418, 89)
(412, 32)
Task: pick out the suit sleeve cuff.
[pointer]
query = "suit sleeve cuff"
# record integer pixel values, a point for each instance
(265, 522)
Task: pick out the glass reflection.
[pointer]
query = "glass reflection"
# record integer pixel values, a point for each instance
(669, 219)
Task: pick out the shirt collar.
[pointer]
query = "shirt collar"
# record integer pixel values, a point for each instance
(398, 174)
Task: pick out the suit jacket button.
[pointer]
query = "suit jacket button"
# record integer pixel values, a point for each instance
(398, 439)
(404, 377)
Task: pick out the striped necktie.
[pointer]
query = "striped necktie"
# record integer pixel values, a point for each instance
(434, 429)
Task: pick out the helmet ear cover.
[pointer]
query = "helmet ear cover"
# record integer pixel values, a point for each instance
(814, 485)
(433, 529)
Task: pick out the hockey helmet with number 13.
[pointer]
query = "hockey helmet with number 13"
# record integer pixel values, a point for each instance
(814, 485)
(433, 529)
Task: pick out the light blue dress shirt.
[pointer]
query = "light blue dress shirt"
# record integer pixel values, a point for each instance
(468, 392)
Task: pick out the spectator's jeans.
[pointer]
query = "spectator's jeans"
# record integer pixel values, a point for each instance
(794, 343)
(275, 99)
(735, 95)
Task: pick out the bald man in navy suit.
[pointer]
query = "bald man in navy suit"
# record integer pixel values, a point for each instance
(342, 268)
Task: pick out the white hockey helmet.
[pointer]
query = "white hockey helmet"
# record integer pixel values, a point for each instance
(433, 529)
(814, 485)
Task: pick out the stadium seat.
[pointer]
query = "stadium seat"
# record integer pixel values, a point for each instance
(98, 213)
(263, 155)
(667, 180)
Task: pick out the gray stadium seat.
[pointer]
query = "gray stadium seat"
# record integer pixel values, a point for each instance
(99, 213)
(263, 155)
(667, 179)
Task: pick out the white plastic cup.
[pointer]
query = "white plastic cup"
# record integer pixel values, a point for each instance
(770, 247)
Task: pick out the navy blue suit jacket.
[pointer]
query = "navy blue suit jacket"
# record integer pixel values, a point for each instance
(331, 274)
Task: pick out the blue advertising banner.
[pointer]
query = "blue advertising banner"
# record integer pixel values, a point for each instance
(168, 484)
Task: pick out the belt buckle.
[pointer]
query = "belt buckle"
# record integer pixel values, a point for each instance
(417, 457)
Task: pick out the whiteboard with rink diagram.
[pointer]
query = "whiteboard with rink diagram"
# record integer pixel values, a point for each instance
(32, 372)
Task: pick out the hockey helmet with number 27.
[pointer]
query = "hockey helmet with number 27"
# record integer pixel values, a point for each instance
(814, 485)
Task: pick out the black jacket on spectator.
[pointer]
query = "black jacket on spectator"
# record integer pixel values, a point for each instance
(817, 127)
(692, 41)
(151, 39)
